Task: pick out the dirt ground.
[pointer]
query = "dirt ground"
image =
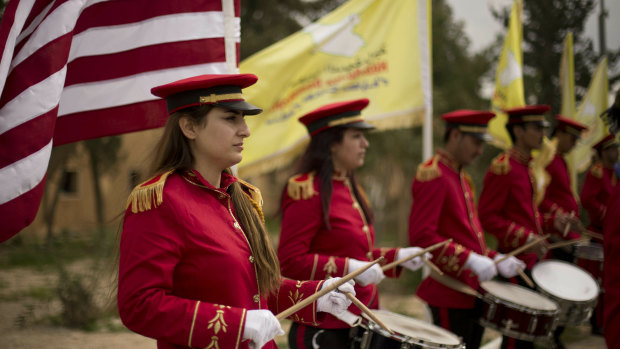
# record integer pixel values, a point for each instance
(26, 308)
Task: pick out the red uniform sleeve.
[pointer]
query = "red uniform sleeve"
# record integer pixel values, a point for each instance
(428, 198)
(390, 255)
(550, 209)
(301, 221)
(611, 281)
(493, 200)
(292, 292)
(150, 249)
(592, 186)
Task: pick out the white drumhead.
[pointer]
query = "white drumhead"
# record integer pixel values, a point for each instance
(565, 281)
(416, 329)
(518, 295)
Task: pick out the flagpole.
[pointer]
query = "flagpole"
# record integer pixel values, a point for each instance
(425, 30)
(228, 9)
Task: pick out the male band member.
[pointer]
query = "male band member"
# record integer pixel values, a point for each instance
(507, 202)
(600, 181)
(443, 207)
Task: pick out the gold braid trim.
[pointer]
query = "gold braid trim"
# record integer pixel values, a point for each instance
(149, 194)
(501, 164)
(428, 170)
(253, 193)
(299, 188)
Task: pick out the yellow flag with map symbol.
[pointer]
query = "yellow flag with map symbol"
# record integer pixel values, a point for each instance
(375, 49)
(508, 78)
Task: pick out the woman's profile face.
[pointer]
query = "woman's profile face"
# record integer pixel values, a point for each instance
(218, 141)
(349, 154)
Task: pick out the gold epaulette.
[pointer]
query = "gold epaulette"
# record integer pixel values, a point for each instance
(428, 170)
(253, 193)
(149, 194)
(597, 170)
(501, 164)
(301, 186)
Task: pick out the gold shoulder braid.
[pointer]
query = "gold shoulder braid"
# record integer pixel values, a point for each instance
(253, 193)
(429, 170)
(597, 170)
(301, 186)
(149, 194)
(501, 164)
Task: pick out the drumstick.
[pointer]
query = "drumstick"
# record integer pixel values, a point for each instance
(522, 248)
(567, 226)
(290, 311)
(455, 284)
(566, 243)
(525, 278)
(592, 234)
(433, 266)
(367, 311)
(403, 260)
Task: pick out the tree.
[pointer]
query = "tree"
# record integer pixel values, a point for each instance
(545, 25)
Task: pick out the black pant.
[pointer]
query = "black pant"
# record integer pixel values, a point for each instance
(302, 337)
(462, 322)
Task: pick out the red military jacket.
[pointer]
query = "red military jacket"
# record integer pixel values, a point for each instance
(187, 274)
(308, 250)
(559, 196)
(507, 205)
(611, 269)
(597, 188)
(443, 207)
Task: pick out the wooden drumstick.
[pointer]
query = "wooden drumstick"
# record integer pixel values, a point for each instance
(567, 226)
(432, 266)
(592, 234)
(455, 284)
(290, 311)
(403, 260)
(522, 248)
(525, 278)
(367, 311)
(566, 243)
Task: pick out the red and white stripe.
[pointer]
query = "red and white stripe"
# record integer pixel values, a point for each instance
(80, 69)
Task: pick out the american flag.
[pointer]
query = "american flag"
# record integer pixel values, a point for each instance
(78, 69)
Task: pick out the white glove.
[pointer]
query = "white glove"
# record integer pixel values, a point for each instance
(336, 302)
(372, 275)
(481, 265)
(260, 327)
(417, 262)
(508, 267)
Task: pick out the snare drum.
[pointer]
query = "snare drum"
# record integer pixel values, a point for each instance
(571, 287)
(408, 333)
(589, 256)
(517, 312)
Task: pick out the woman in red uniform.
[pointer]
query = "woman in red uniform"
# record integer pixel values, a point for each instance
(327, 224)
(196, 265)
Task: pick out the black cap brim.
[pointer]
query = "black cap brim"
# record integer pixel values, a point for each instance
(363, 125)
(243, 106)
(481, 136)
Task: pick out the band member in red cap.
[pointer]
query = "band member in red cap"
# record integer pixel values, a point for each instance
(196, 265)
(327, 222)
(600, 181)
(443, 207)
(559, 201)
(507, 205)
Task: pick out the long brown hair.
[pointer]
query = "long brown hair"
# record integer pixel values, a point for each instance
(173, 152)
(318, 158)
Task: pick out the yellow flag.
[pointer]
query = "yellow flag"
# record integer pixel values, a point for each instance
(592, 105)
(365, 48)
(508, 78)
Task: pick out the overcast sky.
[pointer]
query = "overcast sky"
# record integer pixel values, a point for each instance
(481, 27)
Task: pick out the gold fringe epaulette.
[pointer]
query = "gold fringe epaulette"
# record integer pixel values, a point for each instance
(149, 194)
(597, 170)
(301, 186)
(253, 193)
(429, 170)
(501, 164)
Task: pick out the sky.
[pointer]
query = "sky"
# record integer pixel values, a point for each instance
(481, 27)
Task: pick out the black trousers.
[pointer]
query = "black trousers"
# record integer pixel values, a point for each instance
(308, 337)
(462, 322)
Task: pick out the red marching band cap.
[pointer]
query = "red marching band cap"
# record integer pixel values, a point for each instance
(606, 142)
(569, 125)
(222, 90)
(345, 114)
(472, 122)
(528, 113)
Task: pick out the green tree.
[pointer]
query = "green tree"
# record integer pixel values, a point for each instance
(545, 25)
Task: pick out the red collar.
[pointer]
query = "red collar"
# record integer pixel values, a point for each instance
(448, 160)
(195, 177)
(520, 156)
